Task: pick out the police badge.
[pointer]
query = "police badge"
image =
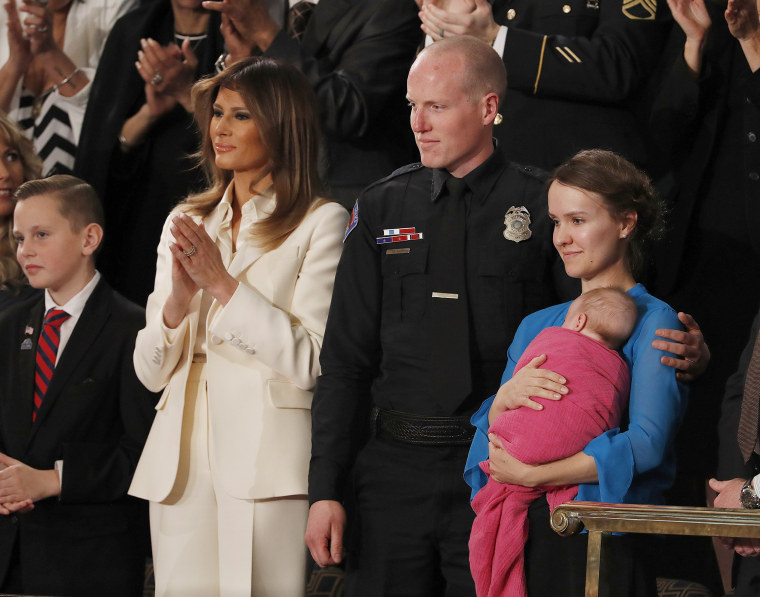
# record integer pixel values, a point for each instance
(517, 224)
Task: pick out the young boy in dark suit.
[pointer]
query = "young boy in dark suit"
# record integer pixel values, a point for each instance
(73, 416)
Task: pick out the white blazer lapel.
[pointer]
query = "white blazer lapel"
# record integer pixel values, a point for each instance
(244, 259)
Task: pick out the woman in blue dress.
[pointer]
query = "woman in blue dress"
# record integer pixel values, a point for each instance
(605, 213)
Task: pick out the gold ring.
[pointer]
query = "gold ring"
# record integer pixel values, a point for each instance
(191, 252)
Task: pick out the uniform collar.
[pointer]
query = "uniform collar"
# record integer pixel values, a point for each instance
(480, 180)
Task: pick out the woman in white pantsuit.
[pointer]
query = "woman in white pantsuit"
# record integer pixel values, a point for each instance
(234, 328)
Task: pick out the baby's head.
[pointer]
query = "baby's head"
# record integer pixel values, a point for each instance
(607, 315)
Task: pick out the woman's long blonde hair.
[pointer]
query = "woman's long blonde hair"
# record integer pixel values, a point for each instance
(282, 105)
(11, 276)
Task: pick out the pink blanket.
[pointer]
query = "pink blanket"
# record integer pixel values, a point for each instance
(599, 383)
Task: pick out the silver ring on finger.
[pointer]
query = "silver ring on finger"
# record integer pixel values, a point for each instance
(193, 250)
(42, 28)
(156, 79)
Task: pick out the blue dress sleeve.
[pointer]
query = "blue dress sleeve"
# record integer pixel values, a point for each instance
(641, 455)
(473, 475)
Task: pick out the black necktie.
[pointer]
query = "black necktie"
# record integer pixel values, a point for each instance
(448, 317)
(298, 18)
(747, 433)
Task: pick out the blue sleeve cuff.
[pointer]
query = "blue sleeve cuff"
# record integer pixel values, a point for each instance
(614, 464)
(473, 476)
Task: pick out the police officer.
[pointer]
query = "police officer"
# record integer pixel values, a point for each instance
(441, 262)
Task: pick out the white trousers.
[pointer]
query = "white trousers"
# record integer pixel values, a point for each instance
(207, 543)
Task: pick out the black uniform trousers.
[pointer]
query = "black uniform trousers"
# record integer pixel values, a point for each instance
(414, 517)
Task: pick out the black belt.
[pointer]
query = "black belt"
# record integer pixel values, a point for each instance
(422, 430)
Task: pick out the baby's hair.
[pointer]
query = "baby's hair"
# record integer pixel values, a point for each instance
(611, 313)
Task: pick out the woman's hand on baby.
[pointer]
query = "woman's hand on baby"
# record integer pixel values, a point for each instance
(528, 383)
(506, 468)
(690, 346)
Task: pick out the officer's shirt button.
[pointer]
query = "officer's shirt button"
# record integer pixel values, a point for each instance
(752, 137)
(511, 14)
(566, 9)
(754, 176)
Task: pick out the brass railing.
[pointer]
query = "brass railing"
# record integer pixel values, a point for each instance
(600, 520)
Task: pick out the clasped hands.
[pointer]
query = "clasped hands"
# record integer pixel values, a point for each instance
(33, 35)
(446, 18)
(196, 265)
(21, 485)
(246, 26)
(169, 74)
(728, 497)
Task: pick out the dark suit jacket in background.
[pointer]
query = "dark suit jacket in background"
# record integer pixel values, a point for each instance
(574, 73)
(95, 417)
(357, 54)
(731, 463)
(704, 131)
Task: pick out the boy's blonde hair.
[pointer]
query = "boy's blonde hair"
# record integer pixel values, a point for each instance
(77, 201)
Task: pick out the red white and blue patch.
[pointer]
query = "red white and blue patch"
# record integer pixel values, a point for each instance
(398, 235)
(353, 221)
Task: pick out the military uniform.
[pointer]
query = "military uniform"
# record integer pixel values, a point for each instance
(575, 69)
(413, 515)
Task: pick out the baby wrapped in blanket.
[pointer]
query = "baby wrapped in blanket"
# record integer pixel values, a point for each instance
(584, 351)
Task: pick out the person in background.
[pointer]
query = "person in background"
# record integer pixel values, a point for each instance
(741, 404)
(18, 163)
(48, 61)
(138, 134)
(705, 122)
(234, 328)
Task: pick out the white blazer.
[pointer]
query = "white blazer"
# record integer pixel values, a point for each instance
(262, 362)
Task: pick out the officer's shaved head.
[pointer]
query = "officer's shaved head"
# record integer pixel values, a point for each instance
(483, 70)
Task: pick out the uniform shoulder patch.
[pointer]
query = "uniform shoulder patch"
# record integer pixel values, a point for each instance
(353, 221)
(640, 10)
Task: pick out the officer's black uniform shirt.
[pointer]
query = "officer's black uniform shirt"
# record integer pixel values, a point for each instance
(377, 344)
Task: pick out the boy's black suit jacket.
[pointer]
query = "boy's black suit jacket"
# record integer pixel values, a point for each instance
(95, 418)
